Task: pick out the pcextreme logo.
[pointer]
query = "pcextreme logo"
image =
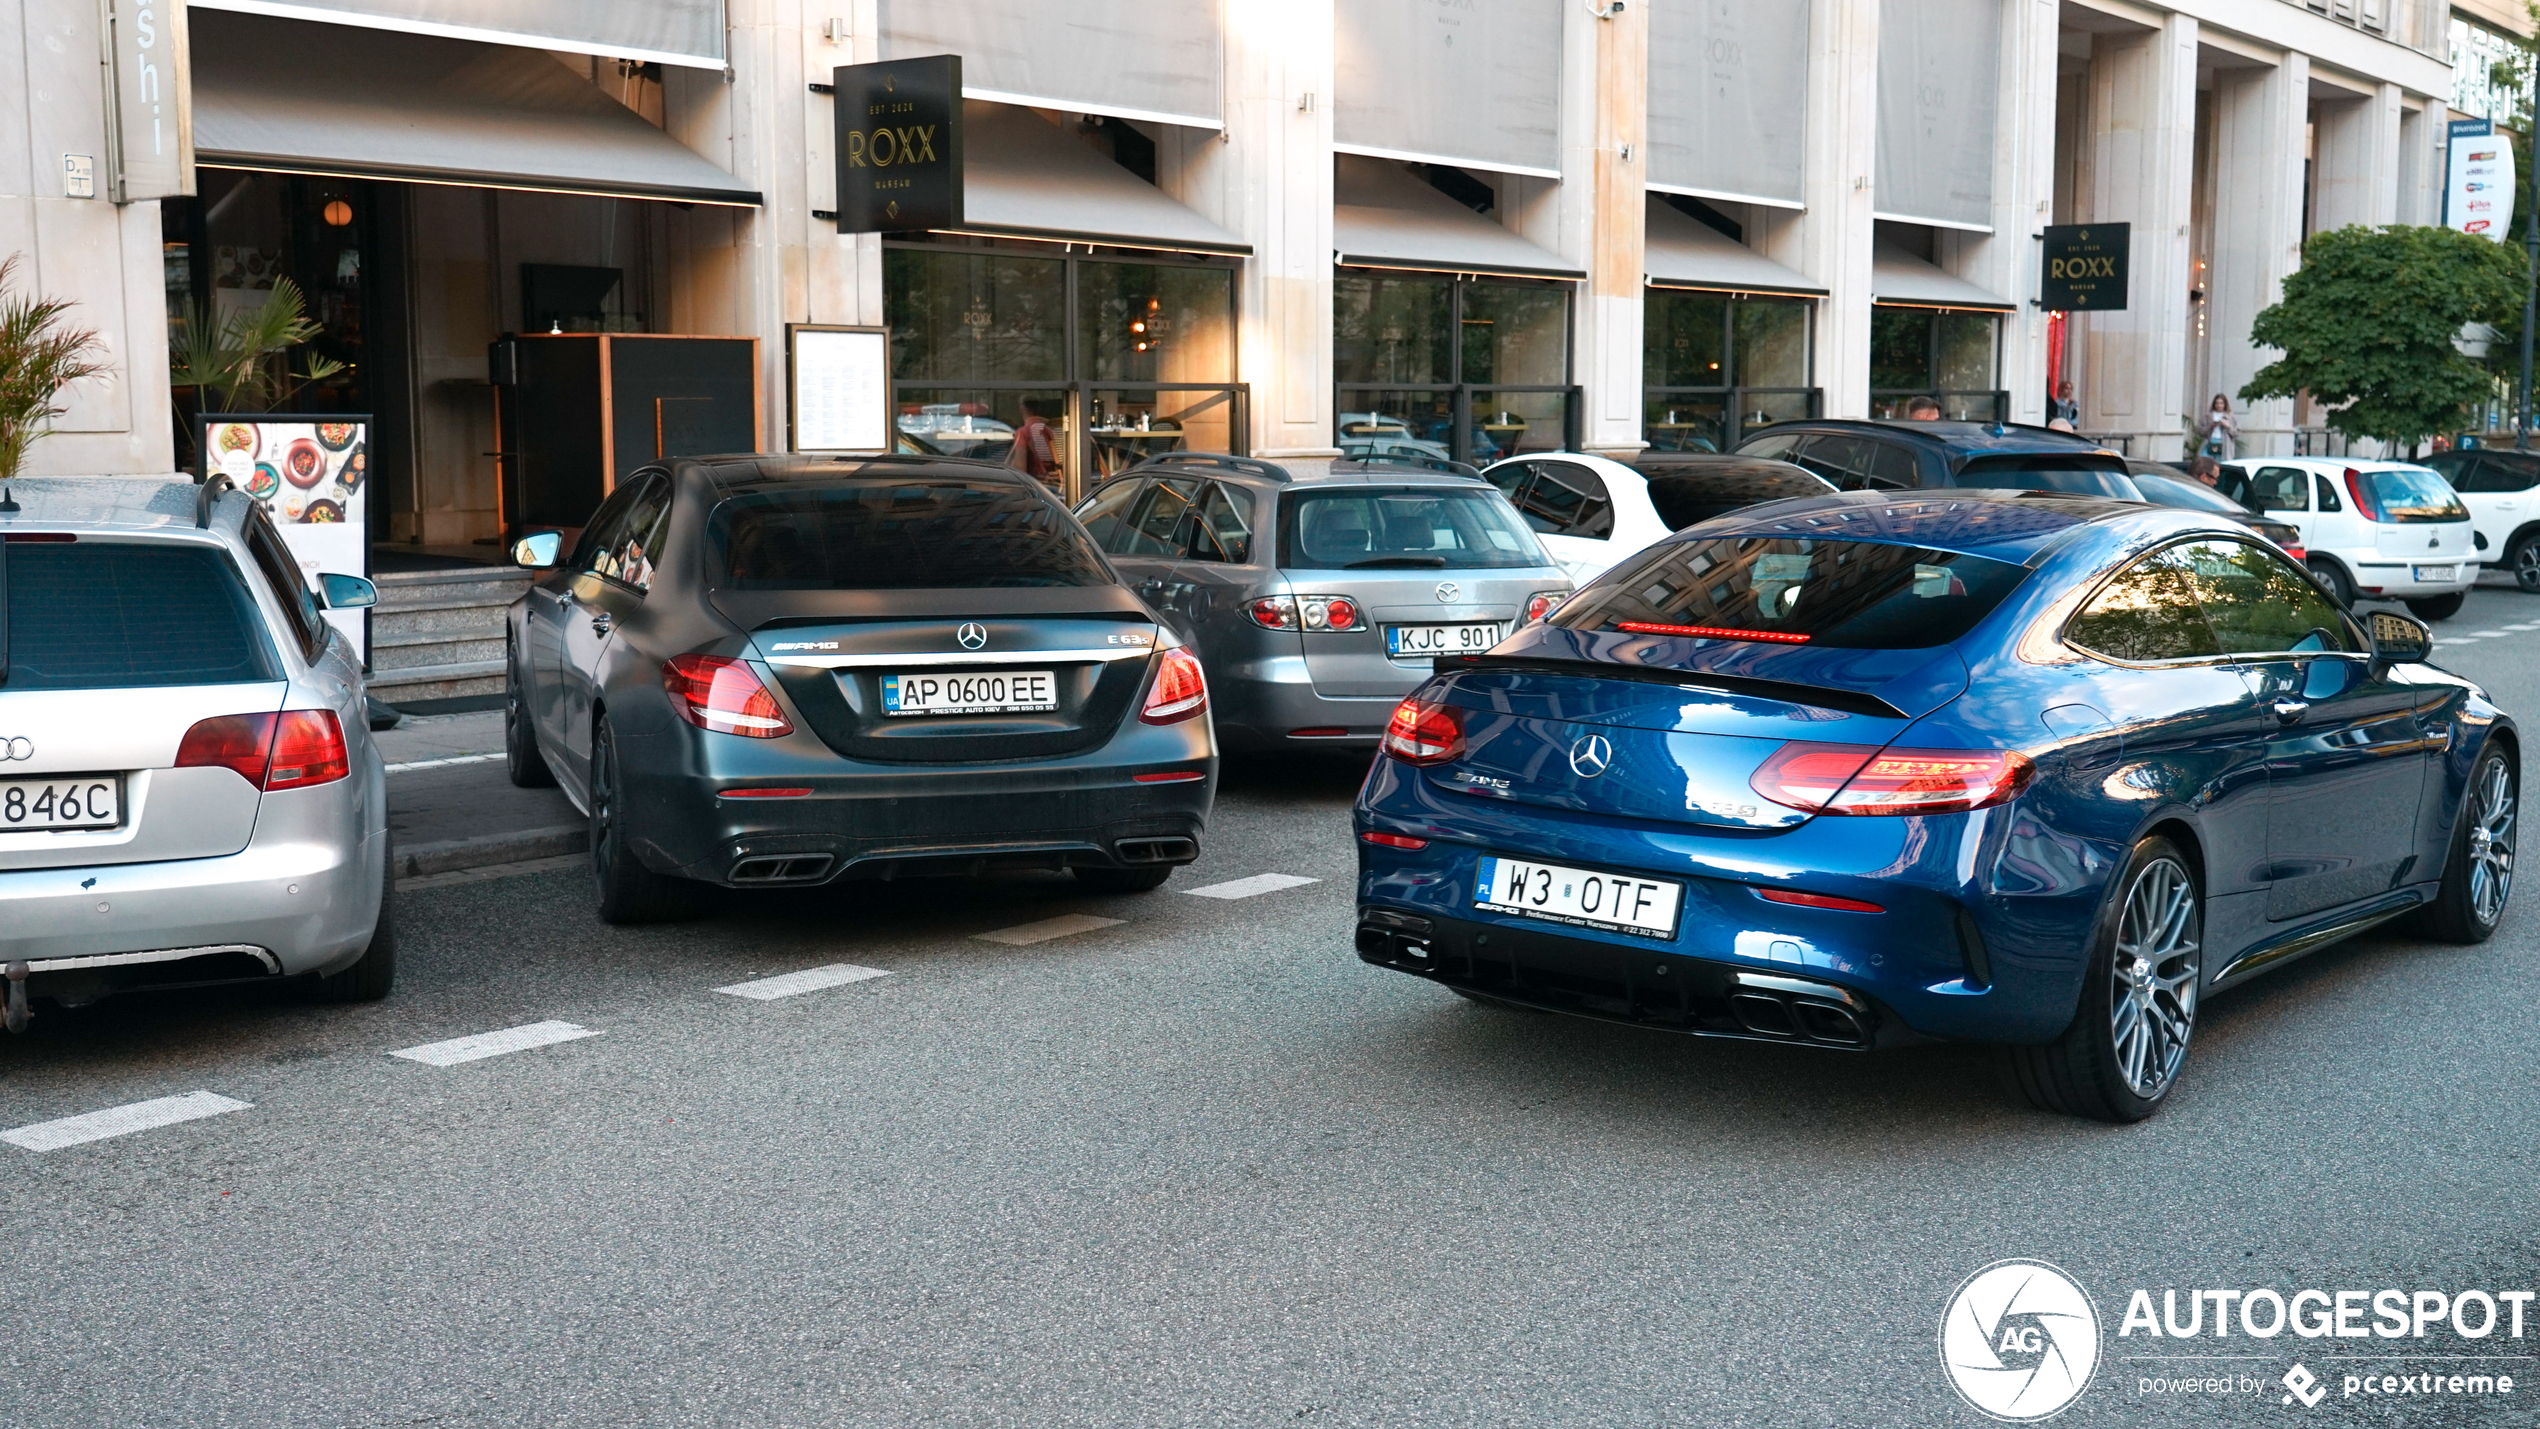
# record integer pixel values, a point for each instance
(2019, 1340)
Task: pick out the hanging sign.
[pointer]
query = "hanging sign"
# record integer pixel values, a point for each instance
(841, 397)
(311, 473)
(149, 101)
(899, 144)
(2085, 267)
(2478, 188)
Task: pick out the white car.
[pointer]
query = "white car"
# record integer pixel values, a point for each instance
(2384, 530)
(2501, 488)
(1591, 512)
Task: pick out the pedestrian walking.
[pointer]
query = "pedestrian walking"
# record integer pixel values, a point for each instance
(1035, 448)
(2219, 436)
(2066, 408)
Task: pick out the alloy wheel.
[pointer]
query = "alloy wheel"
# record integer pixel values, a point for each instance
(2152, 1007)
(2491, 841)
(2527, 565)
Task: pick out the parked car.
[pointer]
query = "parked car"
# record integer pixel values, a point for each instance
(188, 789)
(2391, 530)
(762, 670)
(2498, 486)
(1876, 768)
(1404, 461)
(1904, 456)
(2164, 486)
(1592, 511)
(1317, 602)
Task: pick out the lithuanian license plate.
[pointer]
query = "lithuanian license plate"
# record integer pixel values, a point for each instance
(2438, 573)
(1441, 639)
(1626, 903)
(986, 692)
(88, 802)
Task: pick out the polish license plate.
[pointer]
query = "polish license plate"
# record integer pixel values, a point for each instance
(92, 801)
(2438, 573)
(1626, 903)
(1442, 639)
(960, 692)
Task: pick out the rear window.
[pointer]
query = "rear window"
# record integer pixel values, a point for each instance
(2412, 493)
(99, 615)
(899, 535)
(1856, 595)
(2084, 473)
(1418, 528)
(2186, 494)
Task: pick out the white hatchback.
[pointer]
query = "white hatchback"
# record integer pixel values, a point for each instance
(2386, 530)
(1589, 511)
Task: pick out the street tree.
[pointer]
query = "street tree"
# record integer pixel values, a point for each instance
(2367, 323)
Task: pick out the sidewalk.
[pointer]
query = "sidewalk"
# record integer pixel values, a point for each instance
(451, 805)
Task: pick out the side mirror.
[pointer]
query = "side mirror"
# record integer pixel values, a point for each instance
(538, 550)
(346, 592)
(2399, 639)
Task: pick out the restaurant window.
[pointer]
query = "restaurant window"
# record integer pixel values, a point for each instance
(1467, 369)
(1722, 366)
(1953, 357)
(1122, 359)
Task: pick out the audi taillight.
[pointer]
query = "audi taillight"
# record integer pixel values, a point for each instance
(1861, 779)
(291, 750)
(2361, 490)
(724, 695)
(1180, 689)
(1424, 733)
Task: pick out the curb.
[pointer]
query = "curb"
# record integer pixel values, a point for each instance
(450, 855)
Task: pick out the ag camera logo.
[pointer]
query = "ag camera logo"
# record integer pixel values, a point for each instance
(2019, 1340)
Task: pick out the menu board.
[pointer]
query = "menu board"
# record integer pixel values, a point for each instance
(312, 475)
(841, 388)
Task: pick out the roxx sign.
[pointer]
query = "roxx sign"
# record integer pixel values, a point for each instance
(899, 145)
(2084, 267)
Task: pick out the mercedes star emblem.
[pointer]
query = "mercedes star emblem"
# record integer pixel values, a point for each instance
(972, 635)
(1590, 756)
(17, 747)
(1449, 591)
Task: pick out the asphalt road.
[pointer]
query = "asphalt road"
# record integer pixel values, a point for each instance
(1198, 1166)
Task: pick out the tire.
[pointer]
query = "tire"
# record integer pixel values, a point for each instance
(375, 971)
(2129, 1036)
(2432, 608)
(1123, 880)
(629, 892)
(2333, 576)
(2478, 872)
(2524, 561)
(522, 758)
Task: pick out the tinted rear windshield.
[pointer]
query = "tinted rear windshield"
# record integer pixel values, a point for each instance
(1413, 528)
(1857, 595)
(2086, 473)
(97, 615)
(2412, 493)
(899, 535)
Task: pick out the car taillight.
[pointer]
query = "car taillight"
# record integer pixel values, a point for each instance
(1797, 899)
(2361, 490)
(1392, 840)
(1180, 689)
(1273, 613)
(724, 695)
(2295, 550)
(1543, 602)
(1337, 612)
(1710, 632)
(1423, 733)
(1859, 779)
(291, 750)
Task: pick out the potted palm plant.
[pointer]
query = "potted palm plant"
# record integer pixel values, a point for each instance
(40, 354)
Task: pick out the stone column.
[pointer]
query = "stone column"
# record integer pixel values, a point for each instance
(1830, 240)
(2355, 174)
(2143, 130)
(2259, 118)
(2005, 260)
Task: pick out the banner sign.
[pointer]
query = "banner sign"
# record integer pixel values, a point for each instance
(311, 473)
(149, 101)
(899, 145)
(2085, 267)
(841, 397)
(2478, 187)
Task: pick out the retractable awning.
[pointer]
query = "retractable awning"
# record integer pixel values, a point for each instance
(1022, 178)
(1682, 252)
(295, 97)
(1900, 279)
(1384, 216)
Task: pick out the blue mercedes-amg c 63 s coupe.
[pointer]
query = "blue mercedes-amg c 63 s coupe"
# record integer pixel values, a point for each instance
(1878, 768)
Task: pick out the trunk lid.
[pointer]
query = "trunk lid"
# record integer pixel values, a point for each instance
(127, 738)
(1358, 664)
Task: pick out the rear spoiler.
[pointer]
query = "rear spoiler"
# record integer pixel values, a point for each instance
(1786, 691)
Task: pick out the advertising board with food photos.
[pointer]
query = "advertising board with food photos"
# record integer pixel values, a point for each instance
(311, 472)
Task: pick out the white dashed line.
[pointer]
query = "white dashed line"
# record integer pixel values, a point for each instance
(1065, 925)
(443, 763)
(494, 1044)
(2453, 640)
(2529, 626)
(768, 989)
(1247, 887)
(120, 1121)
(2487, 634)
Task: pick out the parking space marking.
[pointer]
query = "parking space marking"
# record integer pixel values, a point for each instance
(1065, 925)
(2528, 625)
(1248, 887)
(768, 989)
(121, 1121)
(494, 1044)
(2454, 640)
(443, 763)
(2486, 634)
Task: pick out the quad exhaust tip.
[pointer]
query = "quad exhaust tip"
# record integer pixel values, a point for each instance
(1797, 1011)
(782, 868)
(1167, 850)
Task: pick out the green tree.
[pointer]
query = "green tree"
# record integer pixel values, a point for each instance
(39, 356)
(2367, 323)
(242, 365)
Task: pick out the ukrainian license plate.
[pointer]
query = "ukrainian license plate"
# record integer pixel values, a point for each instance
(1442, 639)
(2438, 573)
(1626, 903)
(986, 692)
(88, 802)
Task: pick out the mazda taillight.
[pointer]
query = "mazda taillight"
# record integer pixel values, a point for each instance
(1275, 612)
(2361, 490)
(1180, 689)
(1424, 733)
(724, 695)
(1306, 612)
(1860, 779)
(1543, 602)
(291, 750)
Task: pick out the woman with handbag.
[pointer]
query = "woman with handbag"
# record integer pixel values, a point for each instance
(2219, 436)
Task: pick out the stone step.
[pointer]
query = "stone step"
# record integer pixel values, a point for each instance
(439, 682)
(430, 654)
(410, 590)
(467, 622)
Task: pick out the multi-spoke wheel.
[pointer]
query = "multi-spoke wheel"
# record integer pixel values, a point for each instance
(2524, 560)
(629, 892)
(2129, 1036)
(2478, 876)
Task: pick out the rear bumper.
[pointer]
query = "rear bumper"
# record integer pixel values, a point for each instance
(1272, 704)
(2377, 574)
